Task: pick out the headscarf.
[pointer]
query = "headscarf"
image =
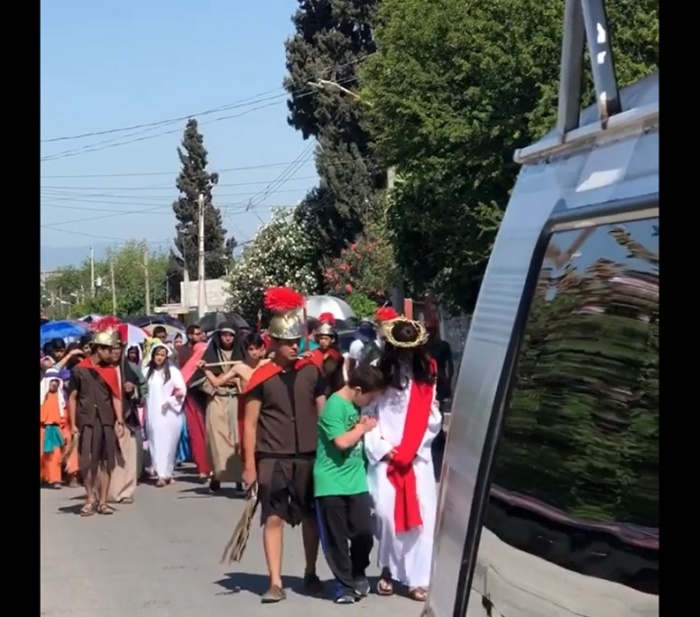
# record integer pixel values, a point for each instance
(212, 354)
(53, 375)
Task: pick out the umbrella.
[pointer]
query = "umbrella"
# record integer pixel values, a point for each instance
(131, 335)
(241, 532)
(164, 320)
(62, 329)
(316, 305)
(211, 321)
(168, 329)
(93, 317)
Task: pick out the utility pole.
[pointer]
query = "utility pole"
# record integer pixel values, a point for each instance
(114, 289)
(201, 291)
(92, 272)
(146, 277)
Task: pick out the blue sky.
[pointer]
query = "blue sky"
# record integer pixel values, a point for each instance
(107, 66)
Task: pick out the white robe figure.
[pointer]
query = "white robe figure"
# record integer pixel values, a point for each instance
(407, 555)
(164, 416)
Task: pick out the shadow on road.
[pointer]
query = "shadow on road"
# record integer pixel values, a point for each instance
(203, 491)
(235, 582)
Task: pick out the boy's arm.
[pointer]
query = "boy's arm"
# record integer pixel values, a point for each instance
(332, 424)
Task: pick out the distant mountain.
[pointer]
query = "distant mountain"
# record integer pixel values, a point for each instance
(53, 257)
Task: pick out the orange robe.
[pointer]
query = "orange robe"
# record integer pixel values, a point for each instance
(50, 461)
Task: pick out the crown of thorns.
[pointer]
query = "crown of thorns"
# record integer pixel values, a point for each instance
(421, 333)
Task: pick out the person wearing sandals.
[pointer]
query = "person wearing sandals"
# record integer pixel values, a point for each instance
(400, 471)
(283, 400)
(343, 502)
(126, 472)
(95, 409)
(166, 396)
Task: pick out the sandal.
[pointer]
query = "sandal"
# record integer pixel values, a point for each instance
(160, 484)
(104, 509)
(385, 587)
(127, 500)
(88, 509)
(418, 594)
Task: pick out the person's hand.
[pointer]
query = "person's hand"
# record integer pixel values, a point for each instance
(250, 477)
(47, 362)
(164, 408)
(307, 354)
(75, 352)
(119, 430)
(390, 456)
(128, 387)
(367, 423)
(201, 364)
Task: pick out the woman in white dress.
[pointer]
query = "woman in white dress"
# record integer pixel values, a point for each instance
(400, 474)
(166, 395)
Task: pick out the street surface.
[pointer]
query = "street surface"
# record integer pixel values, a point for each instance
(160, 557)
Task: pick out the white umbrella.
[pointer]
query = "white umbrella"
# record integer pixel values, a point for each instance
(317, 305)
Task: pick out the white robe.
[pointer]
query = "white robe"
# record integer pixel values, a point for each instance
(164, 427)
(406, 555)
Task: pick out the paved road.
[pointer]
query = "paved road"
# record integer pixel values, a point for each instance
(159, 557)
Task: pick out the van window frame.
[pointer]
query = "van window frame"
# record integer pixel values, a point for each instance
(562, 219)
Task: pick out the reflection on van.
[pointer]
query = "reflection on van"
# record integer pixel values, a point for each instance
(550, 494)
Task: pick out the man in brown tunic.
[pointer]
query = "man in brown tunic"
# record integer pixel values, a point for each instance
(95, 409)
(282, 401)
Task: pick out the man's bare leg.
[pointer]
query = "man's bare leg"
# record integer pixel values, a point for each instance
(89, 484)
(273, 545)
(105, 476)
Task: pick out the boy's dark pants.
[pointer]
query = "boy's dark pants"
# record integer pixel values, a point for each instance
(346, 530)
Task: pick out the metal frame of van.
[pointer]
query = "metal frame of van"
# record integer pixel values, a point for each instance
(604, 172)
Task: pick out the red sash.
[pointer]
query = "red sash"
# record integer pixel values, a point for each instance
(400, 470)
(108, 374)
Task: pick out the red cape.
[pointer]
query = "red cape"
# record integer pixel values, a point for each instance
(108, 373)
(270, 369)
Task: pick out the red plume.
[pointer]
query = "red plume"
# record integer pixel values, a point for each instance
(386, 313)
(327, 318)
(107, 323)
(283, 299)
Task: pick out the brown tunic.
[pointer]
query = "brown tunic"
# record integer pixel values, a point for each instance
(95, 419)
(288, 420)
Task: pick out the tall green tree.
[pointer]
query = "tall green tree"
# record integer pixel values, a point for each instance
(455, 88)
(194, 180)
(332, 37)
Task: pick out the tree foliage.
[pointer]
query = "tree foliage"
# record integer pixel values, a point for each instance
(455, 88)
(194, 180)
(67, 292)
(331, 38)
(365, 266)
(281, 253)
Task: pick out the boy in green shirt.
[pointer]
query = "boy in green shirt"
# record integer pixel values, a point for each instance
(343, 502)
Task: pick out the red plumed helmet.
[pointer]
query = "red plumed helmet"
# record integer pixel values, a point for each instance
(283, 299)
(386, 313)
(107, 323)
(328, 318)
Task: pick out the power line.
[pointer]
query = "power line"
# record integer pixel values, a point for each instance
(158, 123)
(171, 187)
(235, 105)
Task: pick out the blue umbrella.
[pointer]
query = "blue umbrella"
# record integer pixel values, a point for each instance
(62, 329)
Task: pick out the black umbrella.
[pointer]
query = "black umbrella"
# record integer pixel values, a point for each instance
(212, 321)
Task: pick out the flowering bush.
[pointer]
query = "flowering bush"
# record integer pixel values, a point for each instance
(280, 254)
(365, 267)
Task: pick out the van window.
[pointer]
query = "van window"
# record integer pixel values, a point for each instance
(573, 513)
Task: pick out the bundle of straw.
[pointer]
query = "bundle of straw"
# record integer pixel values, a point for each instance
(241, 532)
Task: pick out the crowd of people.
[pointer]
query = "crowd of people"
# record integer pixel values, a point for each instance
(340, 445)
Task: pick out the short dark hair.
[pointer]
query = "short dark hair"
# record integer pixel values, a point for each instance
(253, 339)
(367, 378)
(192, 328)
(159, 330)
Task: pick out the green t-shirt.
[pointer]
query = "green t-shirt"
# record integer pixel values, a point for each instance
(336, 471)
